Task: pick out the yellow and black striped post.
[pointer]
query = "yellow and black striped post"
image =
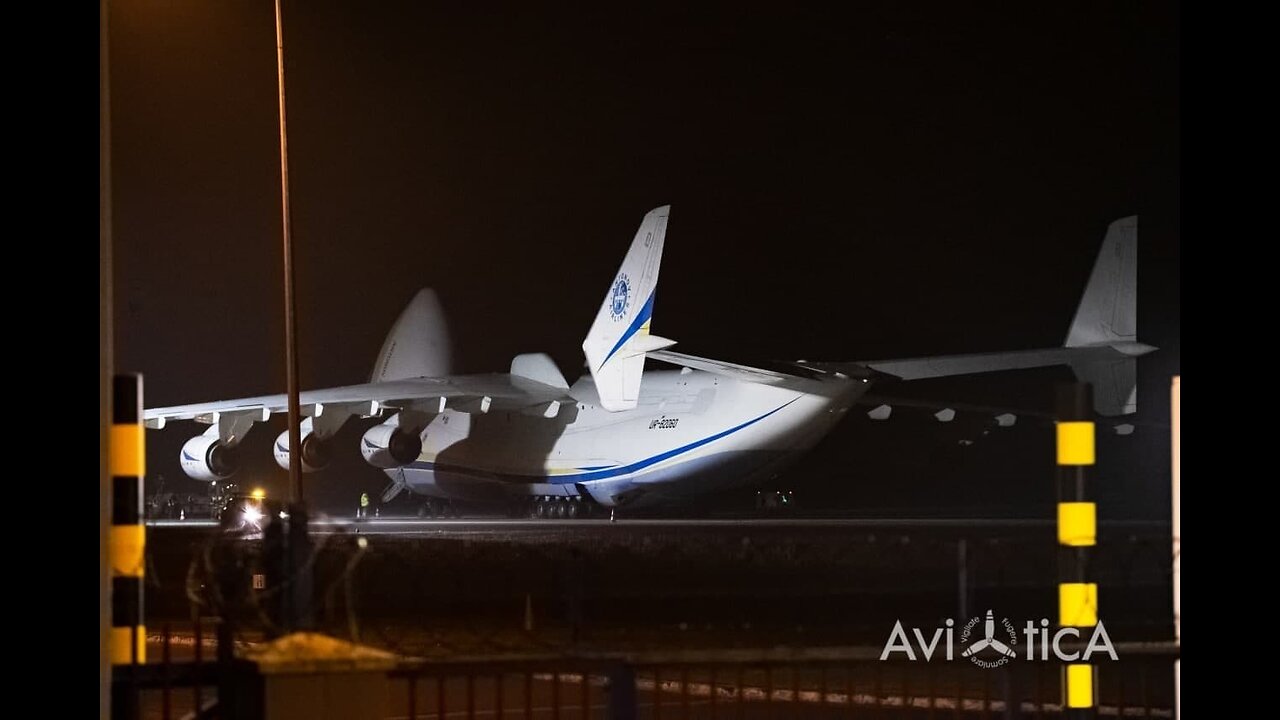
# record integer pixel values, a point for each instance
(1077, 534)
(126, 463)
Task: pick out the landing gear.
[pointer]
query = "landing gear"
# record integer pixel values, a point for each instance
(438, 508)
(773, 501)
(558, 508)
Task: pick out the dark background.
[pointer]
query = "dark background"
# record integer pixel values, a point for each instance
(875, 182)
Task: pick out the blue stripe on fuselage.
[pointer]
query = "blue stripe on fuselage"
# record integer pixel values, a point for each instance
(598, 474)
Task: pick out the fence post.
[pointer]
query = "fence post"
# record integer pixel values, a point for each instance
(622, 693)
(276, 573)
(1009, 689)
(1077, 534)
(301, 588)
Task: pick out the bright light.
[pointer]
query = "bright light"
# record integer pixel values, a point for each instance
(258, 494)
(252, 514)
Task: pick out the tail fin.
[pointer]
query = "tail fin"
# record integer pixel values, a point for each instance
(1108, 310)
(619, 337)
(418, 344)
(1108, 316)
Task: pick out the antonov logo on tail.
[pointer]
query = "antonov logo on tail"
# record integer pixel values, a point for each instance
(620, 296)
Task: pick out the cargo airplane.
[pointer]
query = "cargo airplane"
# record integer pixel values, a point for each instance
(624, 434)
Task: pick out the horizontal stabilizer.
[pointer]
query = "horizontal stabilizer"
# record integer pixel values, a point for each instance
(642, 344)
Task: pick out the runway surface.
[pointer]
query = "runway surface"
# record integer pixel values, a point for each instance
(508, 527)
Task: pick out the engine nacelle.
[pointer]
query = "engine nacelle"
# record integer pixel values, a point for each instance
(388, 446)
(315, 452)
(205, 457)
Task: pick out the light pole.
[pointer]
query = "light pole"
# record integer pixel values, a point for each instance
(290, 302)
(106, 360)
(1177, 543)
(294, 543)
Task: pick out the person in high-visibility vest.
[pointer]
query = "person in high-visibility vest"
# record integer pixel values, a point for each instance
(364, 505)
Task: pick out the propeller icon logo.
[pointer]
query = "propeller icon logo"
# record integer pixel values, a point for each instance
(990, 650)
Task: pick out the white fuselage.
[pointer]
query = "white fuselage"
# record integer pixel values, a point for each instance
(691, 432)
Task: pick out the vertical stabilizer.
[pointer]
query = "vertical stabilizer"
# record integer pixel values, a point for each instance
(1108, 310)
(1108, 315)
(418, 344)
(619, 337)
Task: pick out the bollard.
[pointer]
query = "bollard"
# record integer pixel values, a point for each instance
(127, 464)
(1077, 534)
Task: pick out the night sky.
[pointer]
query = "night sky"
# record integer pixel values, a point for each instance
(878, 182)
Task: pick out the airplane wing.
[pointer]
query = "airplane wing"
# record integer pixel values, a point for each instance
(882, 407)
(948, 365)
(1101, 345)
(791, 373)
(467, 393)
(211, 455)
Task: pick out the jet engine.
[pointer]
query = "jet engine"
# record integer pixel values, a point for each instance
(315, 452)
(388, 445)
(207, 458)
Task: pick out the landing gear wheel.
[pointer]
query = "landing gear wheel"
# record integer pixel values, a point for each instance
(572, 510)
